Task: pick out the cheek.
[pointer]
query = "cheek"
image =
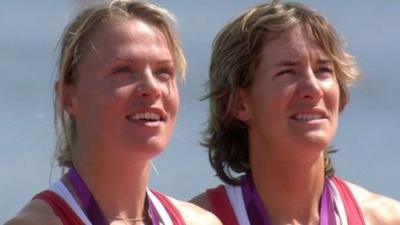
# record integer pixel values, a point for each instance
(275, 99)
(174, 101)
(332, 101)
(334, 97)
(104, 102)
(171, 96)
(265, 106)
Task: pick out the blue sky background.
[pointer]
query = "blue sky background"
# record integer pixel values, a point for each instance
(368, 136)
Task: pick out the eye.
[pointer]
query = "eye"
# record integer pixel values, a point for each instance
(165, 73)
(122, 70)
(285, 72)
(324, 72)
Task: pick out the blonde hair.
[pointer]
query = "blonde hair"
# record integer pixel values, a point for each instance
(72, 43)
(235, 54)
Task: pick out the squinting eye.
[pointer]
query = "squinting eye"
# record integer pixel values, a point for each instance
(165, 73)
(285, 72)
(124, 69)
(325, 71)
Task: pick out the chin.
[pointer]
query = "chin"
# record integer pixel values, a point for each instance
(149, 148)
(315, 140)
(154, 148)
(319, 144)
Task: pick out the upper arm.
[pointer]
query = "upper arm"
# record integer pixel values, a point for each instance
(16, 221)
(22, 220)
(381, 210)
(194, 215)
(36, 212)
(376, 209)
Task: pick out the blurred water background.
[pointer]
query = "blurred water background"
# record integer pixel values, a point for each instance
(368, 137)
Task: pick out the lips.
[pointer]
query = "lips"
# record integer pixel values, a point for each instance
(145, 116)
(309, 116)
(150, 115)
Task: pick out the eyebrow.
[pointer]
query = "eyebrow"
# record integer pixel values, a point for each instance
(321, 61)
(287, 63)
(130, 59)
(123, 58)
(325, 61)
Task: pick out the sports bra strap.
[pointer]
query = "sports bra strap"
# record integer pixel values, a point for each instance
(173, 212)
(221, 206)
(60, 208)
(353, 211)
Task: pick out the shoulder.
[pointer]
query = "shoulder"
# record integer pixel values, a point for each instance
(193, 214)
(202, 201)
(377, 209)
(215, 195)
(36, 212)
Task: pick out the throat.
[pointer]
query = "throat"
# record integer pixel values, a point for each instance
(104, 201)
(292, 197)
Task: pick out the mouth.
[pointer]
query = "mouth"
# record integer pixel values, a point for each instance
(148, 117)
(309, 116)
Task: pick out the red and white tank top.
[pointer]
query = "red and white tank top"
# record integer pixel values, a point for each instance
(68, 210)
(228, 204)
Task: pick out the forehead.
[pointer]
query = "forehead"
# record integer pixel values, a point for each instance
(127, 38)
(292, 45)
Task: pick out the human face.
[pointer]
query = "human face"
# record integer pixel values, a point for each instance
(126, 96)
(293, 101)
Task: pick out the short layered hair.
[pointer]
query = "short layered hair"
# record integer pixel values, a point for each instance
(235, 53)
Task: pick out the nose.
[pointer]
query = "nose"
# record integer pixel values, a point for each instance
(310, 87)
(148, 86)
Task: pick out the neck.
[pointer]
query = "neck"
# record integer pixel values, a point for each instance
(290, 191)
(118, 183)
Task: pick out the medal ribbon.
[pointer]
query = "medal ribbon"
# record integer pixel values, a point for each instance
(258, 213)
(89, 204)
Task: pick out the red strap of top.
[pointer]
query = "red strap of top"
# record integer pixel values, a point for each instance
(221, 205)
(60, 207)
(173, 212)
(353, 211)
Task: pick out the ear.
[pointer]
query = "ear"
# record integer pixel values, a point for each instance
(241, 109)
(67, 94)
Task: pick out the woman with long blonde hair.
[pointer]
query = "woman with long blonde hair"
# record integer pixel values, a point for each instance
(116, 104)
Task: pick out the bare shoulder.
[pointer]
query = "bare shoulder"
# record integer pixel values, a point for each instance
(377, 209)
(202, 201)
(36, 212)
(194, 215)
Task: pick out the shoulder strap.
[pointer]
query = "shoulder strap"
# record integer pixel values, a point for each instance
(353, 211)
(221, 205)
(173, 212)
(60, 207)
